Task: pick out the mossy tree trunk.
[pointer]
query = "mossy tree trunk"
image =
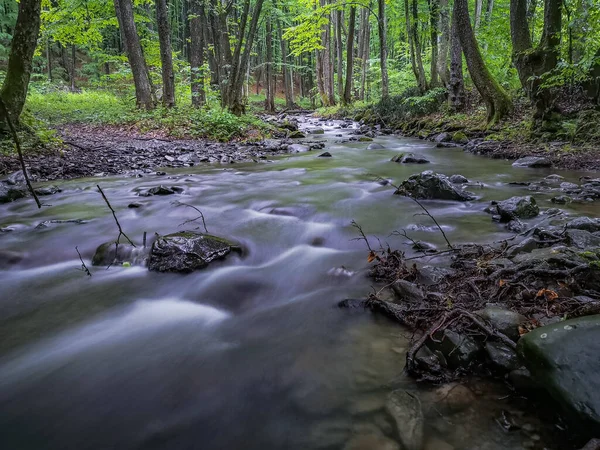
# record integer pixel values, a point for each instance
(456, 83)
(347, 99)
(497, 102)
(198, 24)
(24, 42)
(166, 53)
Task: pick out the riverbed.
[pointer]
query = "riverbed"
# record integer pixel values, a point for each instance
(252, 352)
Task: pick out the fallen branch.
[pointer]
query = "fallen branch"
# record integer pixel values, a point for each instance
(83, 268)
(121, 232)
(4, 112)
(201, 216)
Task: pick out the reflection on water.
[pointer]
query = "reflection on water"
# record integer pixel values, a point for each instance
(251, 353)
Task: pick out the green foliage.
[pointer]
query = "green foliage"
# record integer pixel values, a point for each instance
(105, 108)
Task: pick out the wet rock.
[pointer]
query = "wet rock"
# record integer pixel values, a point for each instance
(405, 409)
(460, 138)
(516, 208)
(563, 359)
(431, 275)
(554, 178)
(47, 223)
(411, 158)
(47, 190)
(569, 187)
(443, 137)
(408, 292)
(521, 379)
(10, 193)
(371, 442)
(9, 258)
(525, 246)
(17, 178)
(532, 161)
(135, 205)
(459, 350)
(504, 320)
(423, 246)
(296, 135)
(316, 131)
(375, 146)
(161, 190)
(434, 443)
(453, 398)
(458, 179)
(502, 356)
(187, 251)
(107, 254)
(430, 185)
(582, 239)
(561, 199)
(593, 444)
(325, 155)
(365, 139)
(516, 226)
(584, 223)
(298, 148)
(291, 125)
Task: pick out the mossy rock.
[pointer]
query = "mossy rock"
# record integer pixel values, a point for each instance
(460, 137)
(364, 139)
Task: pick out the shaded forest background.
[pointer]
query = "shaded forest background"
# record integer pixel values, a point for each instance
(537, 61)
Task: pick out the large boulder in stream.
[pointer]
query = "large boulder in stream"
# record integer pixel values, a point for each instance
(187, 251)
(109, 253)
(532, 161)
(430, 185)
(515, 208)
(563, 359)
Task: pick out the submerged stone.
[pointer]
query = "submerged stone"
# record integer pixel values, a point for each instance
(10, 193)
(405, 409)
(375, 146)
(584, 223)
(187, 251)
(504, 320)
(532, 161)
(107, 254)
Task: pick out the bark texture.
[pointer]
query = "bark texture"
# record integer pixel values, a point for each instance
(166, 53)
(198, 24)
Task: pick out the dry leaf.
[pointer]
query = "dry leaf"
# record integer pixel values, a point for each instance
(371, 257)
(502, 283)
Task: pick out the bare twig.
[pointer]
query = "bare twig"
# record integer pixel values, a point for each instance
(83, 268)
(4, 112)
(201, 216)
(362, 234)
(121, 232)
(432, 218)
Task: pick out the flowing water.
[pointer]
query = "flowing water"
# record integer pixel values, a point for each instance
(251, 353)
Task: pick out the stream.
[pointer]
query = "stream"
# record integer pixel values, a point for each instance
(252, 352)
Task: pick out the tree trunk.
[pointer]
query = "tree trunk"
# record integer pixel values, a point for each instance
(338, 53)
(24, 42)
(497, 102)
(49, 60)
(197, 46)
(434, 13)
(135, 55)
(444, 44)
(270, 92)
(382, 26)
(285, 69)
(328, 67)
(415, 49)
(73, 65)
(456, 84)
(364, 50)
(350, 56)
(478, 10)
(521, 43)
(166, 53)
(235, 100)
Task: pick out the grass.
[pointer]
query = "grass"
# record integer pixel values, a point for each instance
(106, 108)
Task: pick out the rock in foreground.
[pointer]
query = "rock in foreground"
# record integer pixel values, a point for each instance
(430, 185)
(563, 358)
(532, 161)
(515, 208)
(187, 251)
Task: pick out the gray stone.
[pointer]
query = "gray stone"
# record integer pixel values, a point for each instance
(563, 359)
(296, 135)
(561, 199)
(298, 148)
(505, 321)
(502, 356)
(405, 409)
(105, 254)
(516, 226)
(443, 137)
(408, 292)
(458, 350)
(525, 246)
(516, 208)
(316, 131)
(423, 246)
(532, 161)
(411, 158)
(582, 239)
(453, 398)
(9, 193)
(584, 223)
(431, 275)
(47, 190)
(187, 251)
(325, 155)
(458, 179)
(430, 185)
(521, 379)
(161, 190)
(375, 146)
(17, 178)
(569, 187)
